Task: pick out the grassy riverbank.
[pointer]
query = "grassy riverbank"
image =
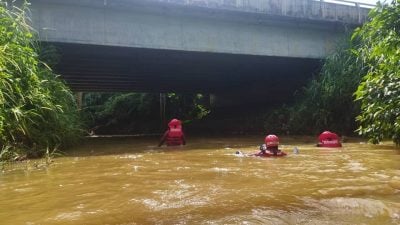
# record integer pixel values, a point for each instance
(38, 112)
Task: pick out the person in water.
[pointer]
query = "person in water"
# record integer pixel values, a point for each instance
(174, 135)
(270, 147)
(329, 139)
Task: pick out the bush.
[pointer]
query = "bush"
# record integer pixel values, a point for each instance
(122, 113)
(327, 102)
(37, 110)
(379, 93)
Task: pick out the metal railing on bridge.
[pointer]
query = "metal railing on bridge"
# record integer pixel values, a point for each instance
(332, 10)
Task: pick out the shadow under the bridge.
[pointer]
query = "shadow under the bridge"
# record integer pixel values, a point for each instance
(243, 86)
(91, 68)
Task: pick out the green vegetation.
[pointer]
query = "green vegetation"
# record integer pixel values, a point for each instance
(327, 103)
(379, 92)
(187, 106)
(37, 111)
(369, 65)
(122, 113)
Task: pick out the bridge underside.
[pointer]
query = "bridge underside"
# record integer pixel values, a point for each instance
(92, 68)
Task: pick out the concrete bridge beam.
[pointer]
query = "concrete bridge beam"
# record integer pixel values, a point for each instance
(150, 24)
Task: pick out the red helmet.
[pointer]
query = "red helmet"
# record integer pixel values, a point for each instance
(329, 139)
(174, 122)
(272, 140)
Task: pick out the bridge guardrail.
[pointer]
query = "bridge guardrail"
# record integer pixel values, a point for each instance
(331, 10)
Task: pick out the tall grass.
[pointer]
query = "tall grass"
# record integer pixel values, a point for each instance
(327, 102)
(37, 110)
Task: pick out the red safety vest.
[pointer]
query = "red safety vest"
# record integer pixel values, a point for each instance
(174, 137)
(270, 154)
(175, 133)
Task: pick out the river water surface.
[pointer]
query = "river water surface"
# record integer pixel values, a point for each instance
(131, 181)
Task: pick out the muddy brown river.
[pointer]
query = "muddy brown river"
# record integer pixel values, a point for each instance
(121, 181)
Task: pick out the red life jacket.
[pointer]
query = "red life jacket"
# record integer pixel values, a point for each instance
(328, 139)
(270, 154)
(175, 133)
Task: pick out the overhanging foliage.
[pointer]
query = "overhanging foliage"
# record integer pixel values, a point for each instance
(379, 93)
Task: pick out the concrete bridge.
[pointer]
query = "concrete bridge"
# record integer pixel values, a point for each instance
(192, 45)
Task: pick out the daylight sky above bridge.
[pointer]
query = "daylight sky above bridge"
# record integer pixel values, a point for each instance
(369, 1)
(362, 1)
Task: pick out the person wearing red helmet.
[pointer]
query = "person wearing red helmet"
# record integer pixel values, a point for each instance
(329, 139)
(270, 148)
(174, 135)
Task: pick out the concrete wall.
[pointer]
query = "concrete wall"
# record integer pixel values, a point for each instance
(344, 11)
(150, 24)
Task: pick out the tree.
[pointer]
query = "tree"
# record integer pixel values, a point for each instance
(379, 92)
(327, 102)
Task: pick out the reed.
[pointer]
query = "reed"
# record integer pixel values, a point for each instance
(37, 110)
(327, 102)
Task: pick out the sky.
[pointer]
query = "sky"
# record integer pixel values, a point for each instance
(368, 1)
(363, 1)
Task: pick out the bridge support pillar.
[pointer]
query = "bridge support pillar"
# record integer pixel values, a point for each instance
(163, 104)
(79, 99)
